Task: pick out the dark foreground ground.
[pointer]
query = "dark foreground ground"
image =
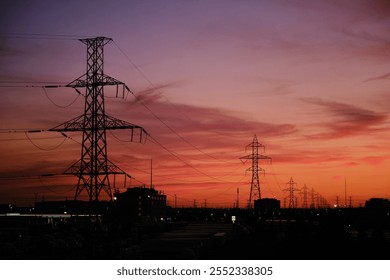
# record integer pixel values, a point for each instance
(355, 234)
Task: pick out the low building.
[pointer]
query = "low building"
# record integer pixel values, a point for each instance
(267, 205)
(378, 204)
(141, 202)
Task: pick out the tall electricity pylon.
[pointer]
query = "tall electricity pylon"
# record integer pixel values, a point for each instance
(255, 192)
(94, 168)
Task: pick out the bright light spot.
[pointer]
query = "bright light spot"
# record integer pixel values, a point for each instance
(233, 219)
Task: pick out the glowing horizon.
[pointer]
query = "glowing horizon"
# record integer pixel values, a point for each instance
(309, 79)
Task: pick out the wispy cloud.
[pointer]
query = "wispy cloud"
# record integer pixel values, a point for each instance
(200, 124)
(380, 77)
(375, 160)
(346, 119)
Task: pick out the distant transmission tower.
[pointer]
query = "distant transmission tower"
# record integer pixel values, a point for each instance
(304, 192)
(292, 202)
(255, 192)
(94, 168)
(312, 195)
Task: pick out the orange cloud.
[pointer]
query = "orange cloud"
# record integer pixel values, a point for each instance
(346, 120)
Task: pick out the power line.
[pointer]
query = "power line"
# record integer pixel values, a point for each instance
(31, 82)
(164, 123)
(164, 176)
(227, 189)
(53, 191)
(186, 163)
(177, 156)
(33, 176)
(17, 130)
(41, 36)
(155, 141)
(61, 106)
(157, 117)
(43, 149)
(26, 139)
(172, 130)
(134, 65)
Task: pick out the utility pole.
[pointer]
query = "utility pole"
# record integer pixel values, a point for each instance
(345, 192)
(151, 174)
(255, 192)
(94, 167)
(238, 198)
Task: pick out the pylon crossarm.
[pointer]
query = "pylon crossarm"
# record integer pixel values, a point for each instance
(263, 157)
(107, 80)
(117, 170)
(137, 132)
(82, 82)
(74, 169)
(243, 160)
(112, 168)
(75, 124)
(79, 82)
(261, 170)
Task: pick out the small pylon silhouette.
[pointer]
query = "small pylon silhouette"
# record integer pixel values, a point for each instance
(255, 192)
(292, 202)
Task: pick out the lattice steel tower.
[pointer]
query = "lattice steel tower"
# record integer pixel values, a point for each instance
(292, 201)
(94, 168)
(255, 192)
(304, 193)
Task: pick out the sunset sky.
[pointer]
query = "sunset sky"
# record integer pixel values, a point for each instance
(310, 79)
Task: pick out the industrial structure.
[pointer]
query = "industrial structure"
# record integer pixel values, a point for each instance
(93, 170)
(292, 203)
(255, 192)
(304, 192)
(138, 223)
(141, 201)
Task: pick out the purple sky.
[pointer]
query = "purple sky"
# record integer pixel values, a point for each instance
(309, 78)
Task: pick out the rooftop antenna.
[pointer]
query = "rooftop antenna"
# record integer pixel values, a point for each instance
(151, 174)
(345, 192)
(238, 197)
